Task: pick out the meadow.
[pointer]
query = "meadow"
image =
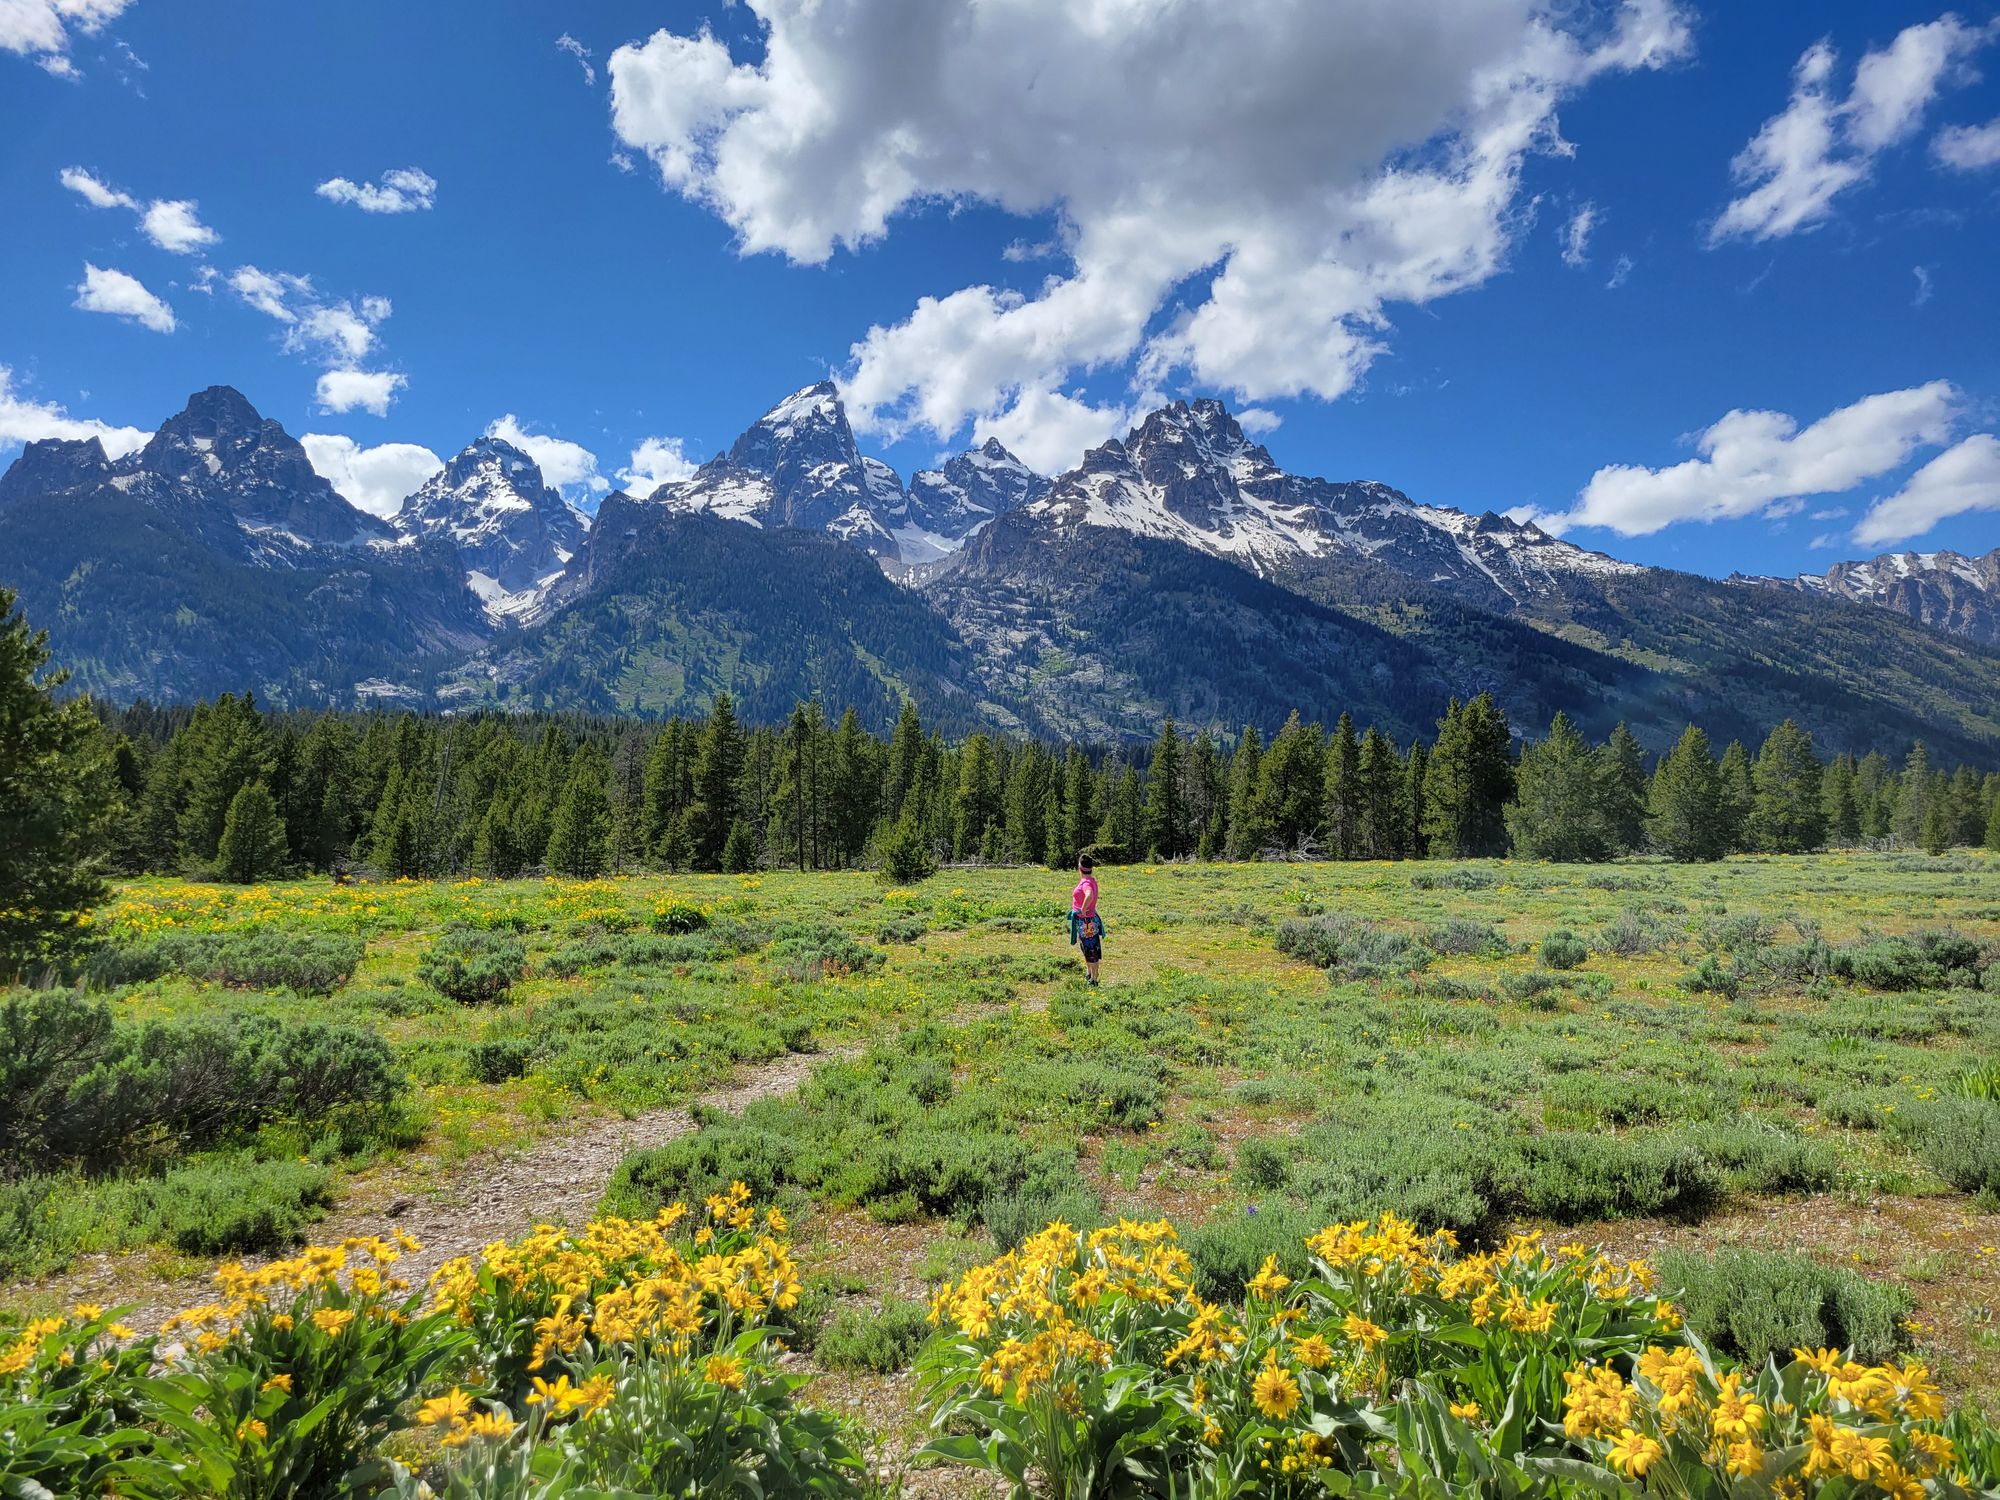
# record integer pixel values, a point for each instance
(1777, 1080)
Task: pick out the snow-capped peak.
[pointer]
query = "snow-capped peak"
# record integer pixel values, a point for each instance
(512, 530)
(1189, 473)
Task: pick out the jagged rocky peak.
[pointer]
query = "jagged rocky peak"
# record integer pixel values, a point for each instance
(54, 464)
(794, 466)
(513, 531)
(220, 447)
(948, 503)
(1944, 589)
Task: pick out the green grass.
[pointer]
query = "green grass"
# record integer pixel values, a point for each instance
(1481, 1045)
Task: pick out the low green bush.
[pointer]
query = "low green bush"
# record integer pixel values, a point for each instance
(307, 962)
(882, 1340)
(1633, 934)
(1463, 935)
(78, 1089)
(905, 929)
(1262, 1165)
(498, 1059)
(1754, 1304)
(1350, 947)
(222, 1205)
(1228, 1250)
(1573, 1177)
(472, 965)
(1563, 949)
(811, 951)
(1956, 1137)
(1761, 1158)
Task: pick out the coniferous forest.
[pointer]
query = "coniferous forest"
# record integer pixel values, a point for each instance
(223, 788)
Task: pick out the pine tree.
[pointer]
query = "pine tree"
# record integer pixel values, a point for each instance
(1416, 767)
(625, 794)
(739, 849)
(1913, 792)
(1379, 833)
(1690, 809)
(1124, 827)
(1166, 822)
(1874, 795)
(1838, 803)
(1291, 786)
(1079, 805)
(579, 834)
(906, 750)
(718, 766)
(668, 786)
(1559, 812)
(1739, 793)
(227, 749)
(854, 786)
(58, 802)
(1993, 812)
(1968, 809)
(1787, 809)
(1207, 797)
(252, 846)
(1622, 791)
(1469, 781)
(1246, 835)
(1343, 791)
(978, 801)
(1026, 802)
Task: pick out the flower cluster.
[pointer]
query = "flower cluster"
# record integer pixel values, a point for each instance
(560, 1298)
(1075, 1337)
(1822, 1417)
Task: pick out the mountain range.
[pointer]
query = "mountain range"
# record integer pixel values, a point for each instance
(1177, 570)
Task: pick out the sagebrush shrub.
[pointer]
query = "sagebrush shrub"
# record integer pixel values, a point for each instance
(882, 1340)
(1956, 1137)
(1563, 949)
(472, 965)
(1755, 1304)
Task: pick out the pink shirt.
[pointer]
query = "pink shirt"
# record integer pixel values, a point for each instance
(1084, 898)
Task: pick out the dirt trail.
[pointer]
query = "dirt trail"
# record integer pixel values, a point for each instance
(493, 1196)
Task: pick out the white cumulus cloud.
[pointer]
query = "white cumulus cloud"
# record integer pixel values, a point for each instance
(25, 421)
(376, 479)
(402, 190)
(1967, 148)
(123, 296)
(363, 390)
(1759, 462)
(1367, 163)
(656, 461)
(1822, 144)
(43, 29)
(565, 465)
(1965, 477)
(171, 223)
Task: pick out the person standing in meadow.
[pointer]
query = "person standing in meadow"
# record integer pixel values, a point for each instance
(1086, 927)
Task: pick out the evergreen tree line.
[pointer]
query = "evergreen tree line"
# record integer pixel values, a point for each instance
(225, 789)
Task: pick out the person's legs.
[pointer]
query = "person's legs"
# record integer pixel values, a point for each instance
(1093, 954)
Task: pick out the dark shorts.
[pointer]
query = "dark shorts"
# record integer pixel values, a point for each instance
(1093, 949)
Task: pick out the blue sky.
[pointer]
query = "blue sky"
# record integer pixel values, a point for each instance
(1499, 256)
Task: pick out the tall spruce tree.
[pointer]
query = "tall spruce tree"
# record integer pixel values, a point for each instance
(1247, 834)
(1291, 786)
(1739, 792)
(1558, 813)
(1623, 789)
(1379, 813)
(58, 803)
(580, 830)
(1787, 810)
(1468, 781)
(252, 846)
(1343, 791)
(1690, 807)
(1207, 796)
(718, 767)
(1167, 834)
(1839, 804)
